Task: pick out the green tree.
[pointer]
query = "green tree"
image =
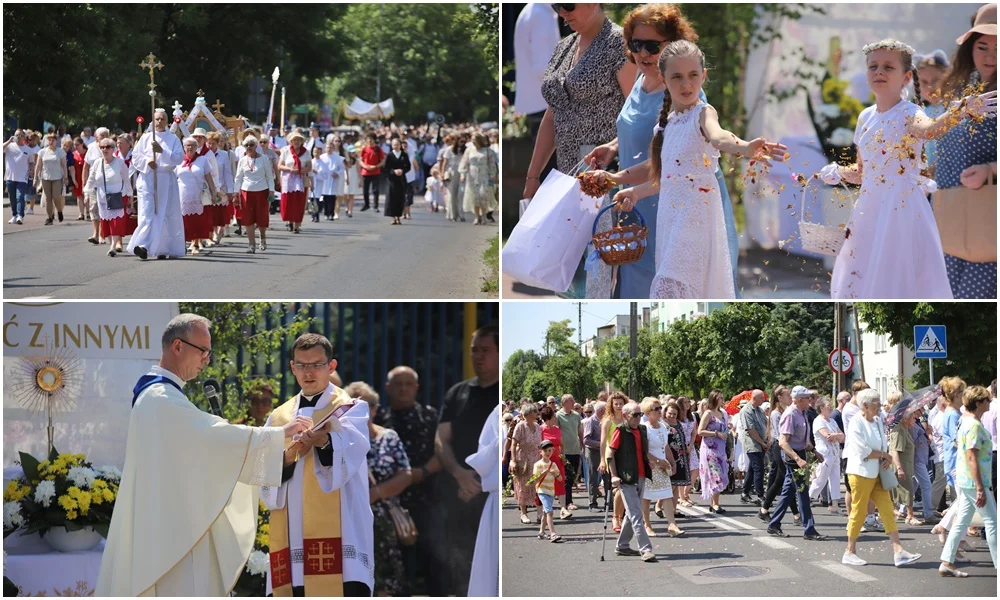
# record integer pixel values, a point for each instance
(972, 330)
(239, 327)
(569, 374)
(675, 361)
(78, 64)
(537, 386)
(431, 57)
(520, 365)
(559, 338)
(613, 363)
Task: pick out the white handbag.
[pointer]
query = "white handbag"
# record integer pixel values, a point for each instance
(546, 245)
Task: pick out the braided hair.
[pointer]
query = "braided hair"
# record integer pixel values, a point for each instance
(679, 48)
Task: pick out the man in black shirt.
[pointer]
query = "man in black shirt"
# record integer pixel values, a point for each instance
(466, 408)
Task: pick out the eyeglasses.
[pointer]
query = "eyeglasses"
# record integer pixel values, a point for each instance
(564, 7)
(656, 408)
(309, 366)
(204, 351)
(107, 147)
(637, 414)
(650, 46)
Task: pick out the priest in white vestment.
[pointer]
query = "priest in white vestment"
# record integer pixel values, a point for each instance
(322, 538)
(185, 518)
(160, 231)
(485, 577)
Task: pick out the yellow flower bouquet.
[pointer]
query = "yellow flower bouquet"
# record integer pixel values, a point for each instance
(64, 490)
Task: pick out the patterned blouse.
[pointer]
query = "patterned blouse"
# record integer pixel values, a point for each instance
(387, 456)
(584, 98)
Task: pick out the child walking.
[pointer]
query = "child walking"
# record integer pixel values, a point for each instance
(435, 190)
(545, 474)
(892, 247)
(692, 250)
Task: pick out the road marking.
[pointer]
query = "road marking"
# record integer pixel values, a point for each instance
(714, 517)
(773, 542)
(728, 522)
(844, 571)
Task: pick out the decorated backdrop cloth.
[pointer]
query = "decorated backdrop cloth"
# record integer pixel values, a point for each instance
(54, 573)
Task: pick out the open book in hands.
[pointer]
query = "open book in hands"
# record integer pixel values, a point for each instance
(333, 419)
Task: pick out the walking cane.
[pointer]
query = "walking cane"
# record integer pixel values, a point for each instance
(604, 534)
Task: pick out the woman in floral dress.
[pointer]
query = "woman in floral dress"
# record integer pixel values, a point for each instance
(479, 171)
(688, 422)
(714, 467)
(523, 456)
(389, 468)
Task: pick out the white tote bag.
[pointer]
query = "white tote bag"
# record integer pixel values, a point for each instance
(546, 245)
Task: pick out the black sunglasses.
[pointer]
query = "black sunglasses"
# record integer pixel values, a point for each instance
(564, 7)
(204, 351)
(637, 414)
(650, 46)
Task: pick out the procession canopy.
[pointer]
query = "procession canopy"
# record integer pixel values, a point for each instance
(213, 120)
(359, 110)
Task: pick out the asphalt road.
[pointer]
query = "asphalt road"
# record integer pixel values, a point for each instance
(788, 566)
(427, 257)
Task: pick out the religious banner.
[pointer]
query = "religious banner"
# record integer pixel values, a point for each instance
(78, 362)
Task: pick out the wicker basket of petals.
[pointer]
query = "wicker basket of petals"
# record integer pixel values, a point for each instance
(622, 244)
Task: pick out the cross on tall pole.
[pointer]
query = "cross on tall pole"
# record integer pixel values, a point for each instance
(151, 63)
(218, 106)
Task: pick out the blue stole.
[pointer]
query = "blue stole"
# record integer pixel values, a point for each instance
(147, 380)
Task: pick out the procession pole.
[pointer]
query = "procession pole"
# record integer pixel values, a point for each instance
(281, 131)
(274, 86)
(151, 63)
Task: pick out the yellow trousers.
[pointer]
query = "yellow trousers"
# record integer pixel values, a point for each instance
(862, 490)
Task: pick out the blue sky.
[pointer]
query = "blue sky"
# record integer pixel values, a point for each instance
(524, 322)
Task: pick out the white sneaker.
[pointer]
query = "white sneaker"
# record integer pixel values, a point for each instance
(19, 221)
(336, 217)
(853, 559)
(12, 220)
(904, 558)
(30, 211)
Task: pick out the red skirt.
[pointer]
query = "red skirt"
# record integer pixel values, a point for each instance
(293, 206)
(196, 227)
(117, 226)
(232, 210)
(255, 208)
(218, 213)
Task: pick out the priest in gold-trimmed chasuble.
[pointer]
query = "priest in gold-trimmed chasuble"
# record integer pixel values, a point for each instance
(321, 536)
(185, 517)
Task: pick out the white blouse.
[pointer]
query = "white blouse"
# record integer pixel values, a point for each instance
(864, 436)
(254, 174)
(290, 181)
(657, 440)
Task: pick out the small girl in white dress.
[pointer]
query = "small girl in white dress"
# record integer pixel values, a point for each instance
(893, 249)
(692, 251)
(435, 190)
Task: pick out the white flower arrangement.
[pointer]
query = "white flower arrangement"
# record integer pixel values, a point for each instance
(44, 493)
(110, 472)
(82, 477)
(258, 563)
(842, 137)
(12, 517)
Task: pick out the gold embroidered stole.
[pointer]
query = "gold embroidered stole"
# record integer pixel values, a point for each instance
(323, 564)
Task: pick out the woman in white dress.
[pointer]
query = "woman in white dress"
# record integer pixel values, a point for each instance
(479, 171)
(692, 248)
(194, 182)
(828, 439)
(893, 248)
(335, 182)
(109, 176)
(658, 487)
(354, 180)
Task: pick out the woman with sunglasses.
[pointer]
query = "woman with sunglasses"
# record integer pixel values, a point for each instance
(109, 176)
(647, 30)
(584, 87)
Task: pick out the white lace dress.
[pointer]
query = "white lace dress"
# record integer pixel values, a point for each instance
(894, 249)
(692, 252)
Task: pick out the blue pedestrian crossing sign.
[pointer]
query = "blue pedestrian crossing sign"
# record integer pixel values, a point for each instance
(930, 341)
